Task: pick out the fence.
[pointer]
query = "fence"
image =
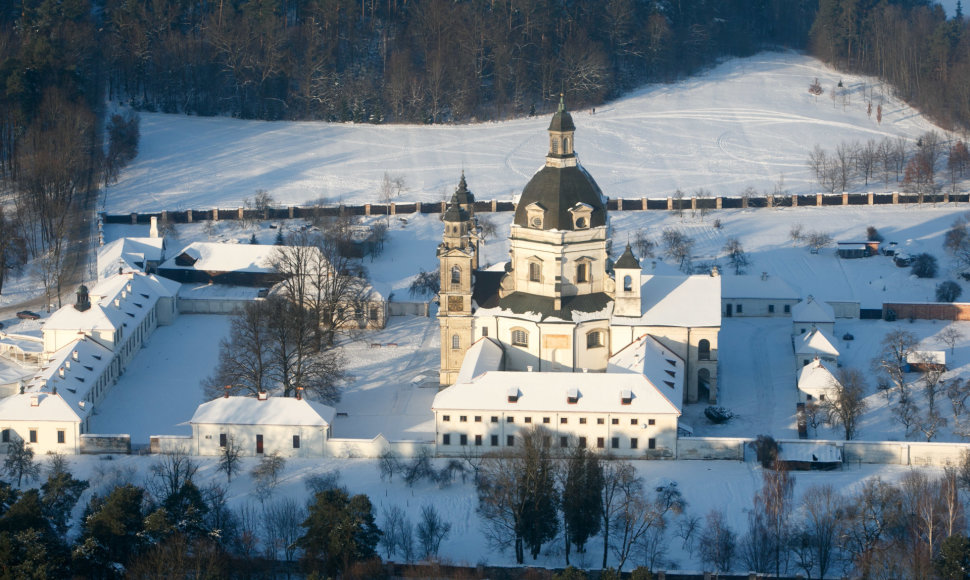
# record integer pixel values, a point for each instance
(926, 310)
(373, 448)
(614, 204)
(97, 444)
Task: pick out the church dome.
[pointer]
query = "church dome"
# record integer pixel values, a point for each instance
(562, 121)
(557, 190)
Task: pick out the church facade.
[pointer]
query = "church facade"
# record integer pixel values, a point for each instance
(561, 310)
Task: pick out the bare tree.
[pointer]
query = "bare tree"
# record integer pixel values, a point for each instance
(818, 240)
(795, 233)
(897, 345)
(431, 530)
(866, 157)
(678, 247)
(717, 542)
(398, 536)
(19, 461)
(957, 391)
(244, 365)
(950, 336)
(640, 518)
(266, 475)
(618, 477)
(848, 402)
(644, 245)
(230, 458)
(871, 517)
(738, 259)
(821, 526)
(282, 521)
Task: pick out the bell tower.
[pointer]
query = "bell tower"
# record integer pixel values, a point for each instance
(457, 261)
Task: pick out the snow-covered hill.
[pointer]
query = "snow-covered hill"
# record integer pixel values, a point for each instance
(747, 122)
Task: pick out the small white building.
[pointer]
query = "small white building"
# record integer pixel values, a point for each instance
(292, 427)
(130, 255)
(631, 410)
(816, 382)
(811, 313)
(763, 295)
(44, 420)
(814, 344)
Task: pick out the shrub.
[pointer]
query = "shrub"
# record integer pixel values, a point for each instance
(924, 266)
(718, 415)
(766, 450)
(948, 291)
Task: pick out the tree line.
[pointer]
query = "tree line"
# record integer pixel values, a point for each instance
(910, 44)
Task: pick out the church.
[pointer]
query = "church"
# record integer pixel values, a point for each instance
(601, 353)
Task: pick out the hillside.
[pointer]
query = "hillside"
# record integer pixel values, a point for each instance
(748, 122)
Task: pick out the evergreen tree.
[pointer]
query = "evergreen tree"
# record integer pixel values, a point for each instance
(111, 530)
(340, 530)
(582, 500)
(19, 462)
(61, 493)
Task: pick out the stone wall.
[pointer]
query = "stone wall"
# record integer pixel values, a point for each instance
(97, 444)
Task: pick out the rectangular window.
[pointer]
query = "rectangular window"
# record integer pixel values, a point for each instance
(771, 309)
(510, 419)
(545, 420)
(600, 442)
(494, 441)
(446, 418)
(633, 443)
(259, 443)
(600, 420)
(535, 272)
(582, 443)
(478, 440)
(485, 331)
(296, 442)
(787, 308)
(615, 443)
(222, 439)
(564, 442)
(494, 419)
(563, 420)
(528, 419)
(510, 440)
(463, 418)
(739, 309)
(582, 273)
(33, 435)
(446, 439)
(463, 439)
(582, 420)
(60, 436)
(478, 418)
(651, 421)
(651, 443)
(614, 421)
(373, 313)
(634, 421)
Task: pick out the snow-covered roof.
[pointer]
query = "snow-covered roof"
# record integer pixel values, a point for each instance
(816, 376)
(937, 357)
(211, 291)
(484, 355)
(216, 257)
(547, 392)
(811, 310)
(49, 407)
(129, 254)
(680, 301)
(74, 371)
(761, 287)
(271, 411)
(815, 341)
(115, 301)
(661, 366)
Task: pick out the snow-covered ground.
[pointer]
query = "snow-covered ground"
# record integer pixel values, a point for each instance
(747, 122)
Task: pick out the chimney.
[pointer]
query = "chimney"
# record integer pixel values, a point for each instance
(529, 368)
(227, 387)
(153, 230)
(715, 272)
(299, 393)
(262, 395)
(54, 390)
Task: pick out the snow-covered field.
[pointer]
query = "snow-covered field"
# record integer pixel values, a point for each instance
(747, 122)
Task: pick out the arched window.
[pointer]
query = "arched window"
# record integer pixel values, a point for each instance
(455, 275)
(565, 145)
(535, 272)
(627, 283)
(704, 349)
(595, 339)
(582, 272)
(520, 337)
(455, 342)
(555, 146)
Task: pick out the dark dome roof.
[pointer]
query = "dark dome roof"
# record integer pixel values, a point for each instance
(558, 190)
(627, 260)
(462, 195)
(454, 213)
(562, 121)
